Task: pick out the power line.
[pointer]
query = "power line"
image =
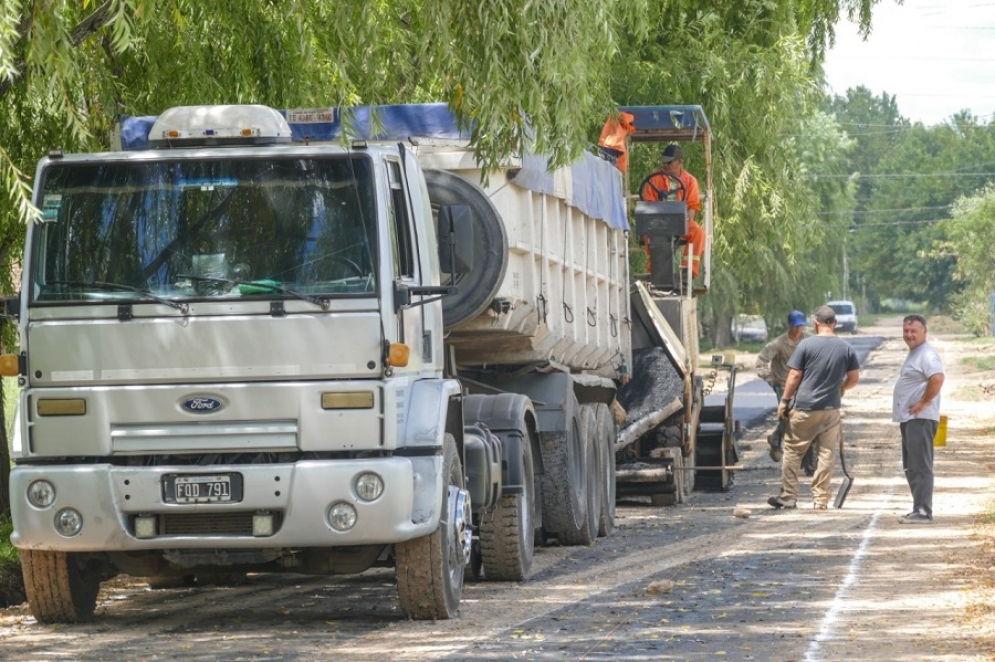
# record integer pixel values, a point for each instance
(880, 211)
(925, 175)
(872, 225)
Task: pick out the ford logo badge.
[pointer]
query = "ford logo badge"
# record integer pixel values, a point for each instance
(201, 404)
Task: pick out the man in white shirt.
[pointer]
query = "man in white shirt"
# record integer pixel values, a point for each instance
(916, 408)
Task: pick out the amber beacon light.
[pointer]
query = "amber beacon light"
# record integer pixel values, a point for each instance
(398, 354)
(9, 365)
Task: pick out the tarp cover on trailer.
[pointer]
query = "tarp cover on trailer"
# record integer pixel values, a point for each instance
(594, 185)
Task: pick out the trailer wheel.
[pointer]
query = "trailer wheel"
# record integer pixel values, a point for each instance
(605, 425)
(564, 483)
(430, 569)
(507, 535)
(60, 587)
(587, 532)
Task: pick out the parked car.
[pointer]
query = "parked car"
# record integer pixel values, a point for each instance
(846, 315)
(749, 328)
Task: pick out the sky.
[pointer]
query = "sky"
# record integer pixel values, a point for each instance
(937, 57)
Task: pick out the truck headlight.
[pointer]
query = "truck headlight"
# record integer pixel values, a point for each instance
(41, 494)
(369, 486)
(342, 516)
(68, 522)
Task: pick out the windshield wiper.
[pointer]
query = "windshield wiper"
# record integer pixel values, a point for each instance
(264, 284)
(120, 287)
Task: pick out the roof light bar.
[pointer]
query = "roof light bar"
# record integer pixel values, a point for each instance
(208, 126)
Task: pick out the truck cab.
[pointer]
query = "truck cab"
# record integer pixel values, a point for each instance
(211, 337)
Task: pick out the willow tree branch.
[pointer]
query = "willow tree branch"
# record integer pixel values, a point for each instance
(90, 25)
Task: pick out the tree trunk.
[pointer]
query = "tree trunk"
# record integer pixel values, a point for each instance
(721, 330)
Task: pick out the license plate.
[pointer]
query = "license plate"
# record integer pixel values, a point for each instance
(199, 488)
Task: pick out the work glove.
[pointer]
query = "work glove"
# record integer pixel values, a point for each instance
(782, 410)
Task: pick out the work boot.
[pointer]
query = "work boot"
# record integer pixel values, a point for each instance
(916, 517)
(777, 502)
(775, 449)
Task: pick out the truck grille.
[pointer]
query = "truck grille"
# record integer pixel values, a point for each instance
(210, 524)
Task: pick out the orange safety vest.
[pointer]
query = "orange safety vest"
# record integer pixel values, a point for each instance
(615, 137)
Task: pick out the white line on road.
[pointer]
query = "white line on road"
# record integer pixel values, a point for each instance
(830, 620)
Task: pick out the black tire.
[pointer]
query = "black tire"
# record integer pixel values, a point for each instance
(605, 425)
(587, 532)
(60, 588)
(430, 570)
(477, 289)
(564, 484)
(507, 535)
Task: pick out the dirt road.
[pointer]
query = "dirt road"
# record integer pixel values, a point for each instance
(685, 583)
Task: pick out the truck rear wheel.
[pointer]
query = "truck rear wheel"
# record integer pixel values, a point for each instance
(507, 535)
(564, 483)
(61, 588)
(430, 569)
(605, 426)
(587, 532)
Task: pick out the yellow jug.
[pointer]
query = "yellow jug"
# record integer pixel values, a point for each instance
(940, 438)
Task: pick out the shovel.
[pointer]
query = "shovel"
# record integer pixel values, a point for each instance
(847, 479)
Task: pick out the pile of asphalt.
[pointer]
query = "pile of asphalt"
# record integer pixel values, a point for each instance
(653, 383)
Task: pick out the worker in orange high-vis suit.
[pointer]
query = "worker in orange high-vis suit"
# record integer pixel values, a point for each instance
(614, 138)
(663, 185)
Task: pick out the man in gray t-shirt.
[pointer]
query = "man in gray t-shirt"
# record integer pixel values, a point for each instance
(822, 368)
(916, 408)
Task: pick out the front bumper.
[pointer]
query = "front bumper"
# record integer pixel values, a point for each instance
(300, 494)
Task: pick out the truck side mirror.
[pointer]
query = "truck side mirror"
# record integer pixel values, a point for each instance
(455, 227)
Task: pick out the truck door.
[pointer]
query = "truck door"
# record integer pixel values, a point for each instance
(404, 249)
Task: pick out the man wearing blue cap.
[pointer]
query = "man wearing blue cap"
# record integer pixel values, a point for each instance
(772, 367)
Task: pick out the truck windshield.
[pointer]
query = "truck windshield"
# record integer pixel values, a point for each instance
(205, 228)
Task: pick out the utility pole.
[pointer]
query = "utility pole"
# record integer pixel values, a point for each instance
(846, 272)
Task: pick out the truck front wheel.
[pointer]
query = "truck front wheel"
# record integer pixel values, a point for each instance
(507, 535)
(430, 569)
(60, 586)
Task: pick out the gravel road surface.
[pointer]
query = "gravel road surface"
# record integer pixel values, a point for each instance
(690, 582)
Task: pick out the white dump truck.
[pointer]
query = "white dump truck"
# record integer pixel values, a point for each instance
(291, 341)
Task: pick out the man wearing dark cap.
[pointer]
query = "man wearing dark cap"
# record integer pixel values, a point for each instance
(821, 369)
(673, 182)
(772, 367)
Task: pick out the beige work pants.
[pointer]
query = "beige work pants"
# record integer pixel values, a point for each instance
(803, 429)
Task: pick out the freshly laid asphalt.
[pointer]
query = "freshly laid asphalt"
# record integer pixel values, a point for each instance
(753, 399)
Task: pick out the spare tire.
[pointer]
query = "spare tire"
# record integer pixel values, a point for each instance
(477, 289)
